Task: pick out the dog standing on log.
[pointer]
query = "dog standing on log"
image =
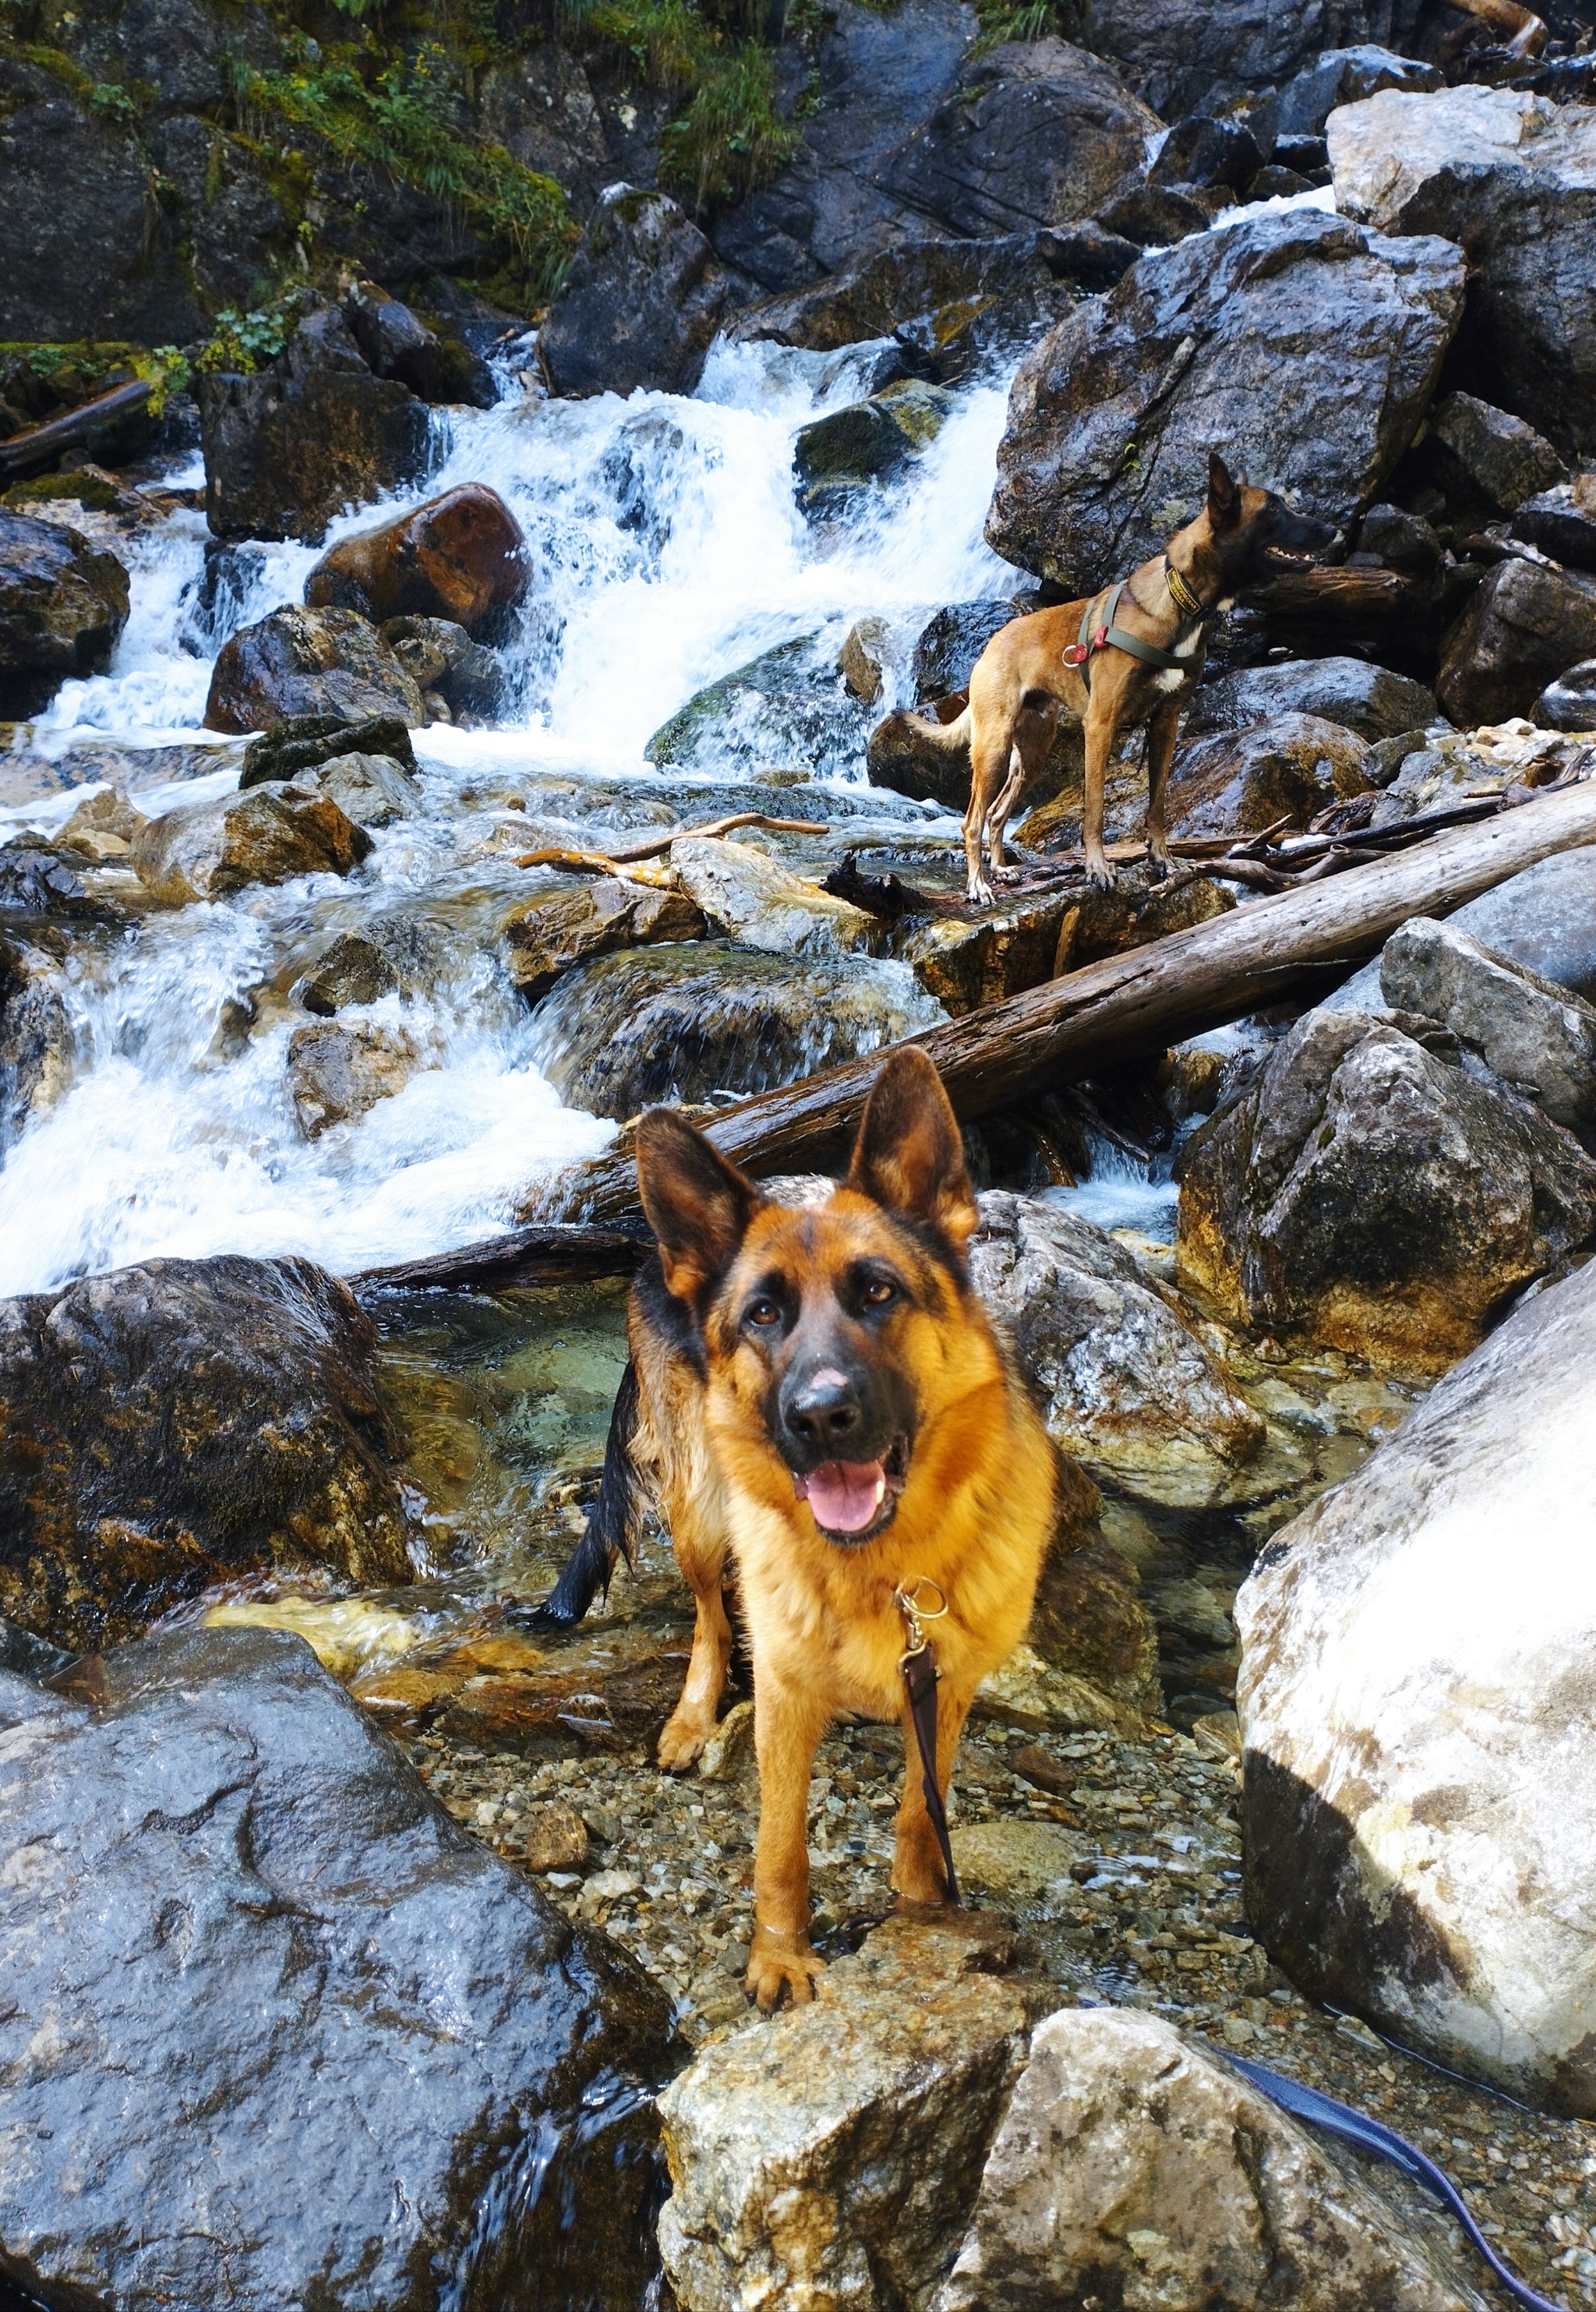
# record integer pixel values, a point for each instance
(1127, 657)
(820, 1403)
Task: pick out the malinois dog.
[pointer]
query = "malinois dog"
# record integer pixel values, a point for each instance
(1081, 661)
(823, 1407)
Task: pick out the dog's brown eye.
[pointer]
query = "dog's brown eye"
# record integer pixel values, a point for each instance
(879, 1292)
(764, 1312)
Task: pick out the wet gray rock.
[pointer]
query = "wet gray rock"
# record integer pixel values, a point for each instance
(1345, 76)
(788, 706)
(250, 1907)
(558, 929)
(1368, 699)
(1418, 1824)
(1562, 522)
(1524, 625)
(1493, 454)
(1128, 1388)
(337, 1074)
(210, 849)
(683, 1023)
(761, 903)
(63, 606)
(1238, 781)
(1201, 153)
(371, 790)
(1544, 920)
(396, 342)
(396, 952)
(1112, 417)
(1400, 540)
(1033, 132)
(41, 879)
(1179, 61)
(1568, 704)
(291, 446)
(330, 663)
(639, 303)
(879, 294)
(1131, 2167)
(303, 742)
(1534, 1035)
(951, 641)
(181, 1421)
(1371, 1195)
(869, 441)
(36, 1036)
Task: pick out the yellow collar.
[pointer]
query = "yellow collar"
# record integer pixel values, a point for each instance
(1185, 600)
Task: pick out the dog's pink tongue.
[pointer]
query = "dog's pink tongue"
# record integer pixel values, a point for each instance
(845, 1495)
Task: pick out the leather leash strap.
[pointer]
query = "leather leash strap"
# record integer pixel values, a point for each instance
(918, 1669)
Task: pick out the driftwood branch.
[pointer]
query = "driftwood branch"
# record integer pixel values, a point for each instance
(554, 1253)
(1130, 1005)
(41, 445)
(617, 863)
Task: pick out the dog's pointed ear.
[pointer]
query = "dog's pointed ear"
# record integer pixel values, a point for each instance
(909, 1155)
(1225, 499)
(698, 1205)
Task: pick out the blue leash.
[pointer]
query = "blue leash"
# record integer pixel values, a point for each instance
(1369, 2134)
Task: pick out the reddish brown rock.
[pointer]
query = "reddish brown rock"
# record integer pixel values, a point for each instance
(328, 663)
(461, 557)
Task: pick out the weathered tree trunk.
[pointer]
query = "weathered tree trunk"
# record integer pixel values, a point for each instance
(552, 1254)
(41, 445)
(1129, 1005)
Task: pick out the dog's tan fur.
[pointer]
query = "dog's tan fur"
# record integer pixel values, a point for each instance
(1021, 685)
(975, 1514)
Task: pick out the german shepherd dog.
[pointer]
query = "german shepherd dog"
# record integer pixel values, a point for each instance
(820, 1404)
(1025, 680)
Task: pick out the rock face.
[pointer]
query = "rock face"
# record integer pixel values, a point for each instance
(1132, 2168)
(789, 705)
(1345, 76)
(324, 662)
(1368, 699)
(1514, 176)
(1504, 459)
(313, 433)
(560, 929)
(641, 301)
(1369, 1195)
(1419, 1826)
(167, 1425)
(1524, 625)
(1126, 1388)
(1111, 416)
(1544, 920)
(764, 905)
(678, 1023)
(461, 556)
(239, 1889)
(63, 606)
(829, 2156)
(1237, 782)
(1178, 60)
(1035, 133)
(210, 849)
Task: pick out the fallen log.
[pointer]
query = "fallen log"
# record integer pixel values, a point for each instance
(549, 1253)
(31, 452)
(619, 863)
(1127, 1006)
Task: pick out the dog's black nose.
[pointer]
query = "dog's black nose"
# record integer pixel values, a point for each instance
(823, 1412)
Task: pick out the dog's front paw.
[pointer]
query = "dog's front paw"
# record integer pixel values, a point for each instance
(781, 1966)
(1100, 874)
(978, 892)
(1159, 862)
(683, 1740)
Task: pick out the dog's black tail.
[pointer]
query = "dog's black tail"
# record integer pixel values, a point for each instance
(611, 1527)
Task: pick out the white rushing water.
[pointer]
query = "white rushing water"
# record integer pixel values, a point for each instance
(668, 550)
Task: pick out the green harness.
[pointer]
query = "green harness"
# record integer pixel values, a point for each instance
(1109, 636)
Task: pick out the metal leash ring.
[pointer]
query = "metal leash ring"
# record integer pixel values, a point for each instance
(906, 1596)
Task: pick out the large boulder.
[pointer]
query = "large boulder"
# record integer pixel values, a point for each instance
(763, 904)
(1033, 133)
(1562, 521)
(1181, 61)
(1133, 2168)
(682, 1023)
(558, 929)
(1127, 1387)
(63, 606)
(332, 663)
(461, 557)
(1544, 920)
(210, 849)
(1369, 1194)
(867, 443)
(320, 2039)
(640, 304)
(1420, 1819)
(879, 293)
(1345, 76)
(292, 445)
(1239, 781)
(1112, 416)
(38, 1033)
(1368, 699)
(398, 343)
(788, 706)
(1513, 177)
(832, 2155)
(1525, 625)
(181, 1422)
(1480, 452)
(337, 1074)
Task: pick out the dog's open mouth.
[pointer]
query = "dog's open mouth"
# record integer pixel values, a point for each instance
(852, 1500)
(1291, 557)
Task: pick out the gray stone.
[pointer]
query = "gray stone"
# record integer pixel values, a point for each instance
(1420, 1826)
(869, 441)
(538, 104)
(639, 303)
(1568, 704)
(371, 790)
(323, 663)
(1543, 920)
(788, 706)
(1238, 781)
(270, 835)
(336, 1074)
(1525, 625)
(763, 904)
(1505, 460)
(1112, 416)
(1134, 2168)
(1368, 699)
(556, 930)
(236, 1932)
(63, 606)
(833, 2155)
(1345, 76)
(1538, 1036)
(37, 1038)
(1185, 61)
(1562, 521)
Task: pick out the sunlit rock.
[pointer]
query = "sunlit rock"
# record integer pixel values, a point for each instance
(210, 849)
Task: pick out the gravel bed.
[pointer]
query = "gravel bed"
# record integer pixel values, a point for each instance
(1149, 1913)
